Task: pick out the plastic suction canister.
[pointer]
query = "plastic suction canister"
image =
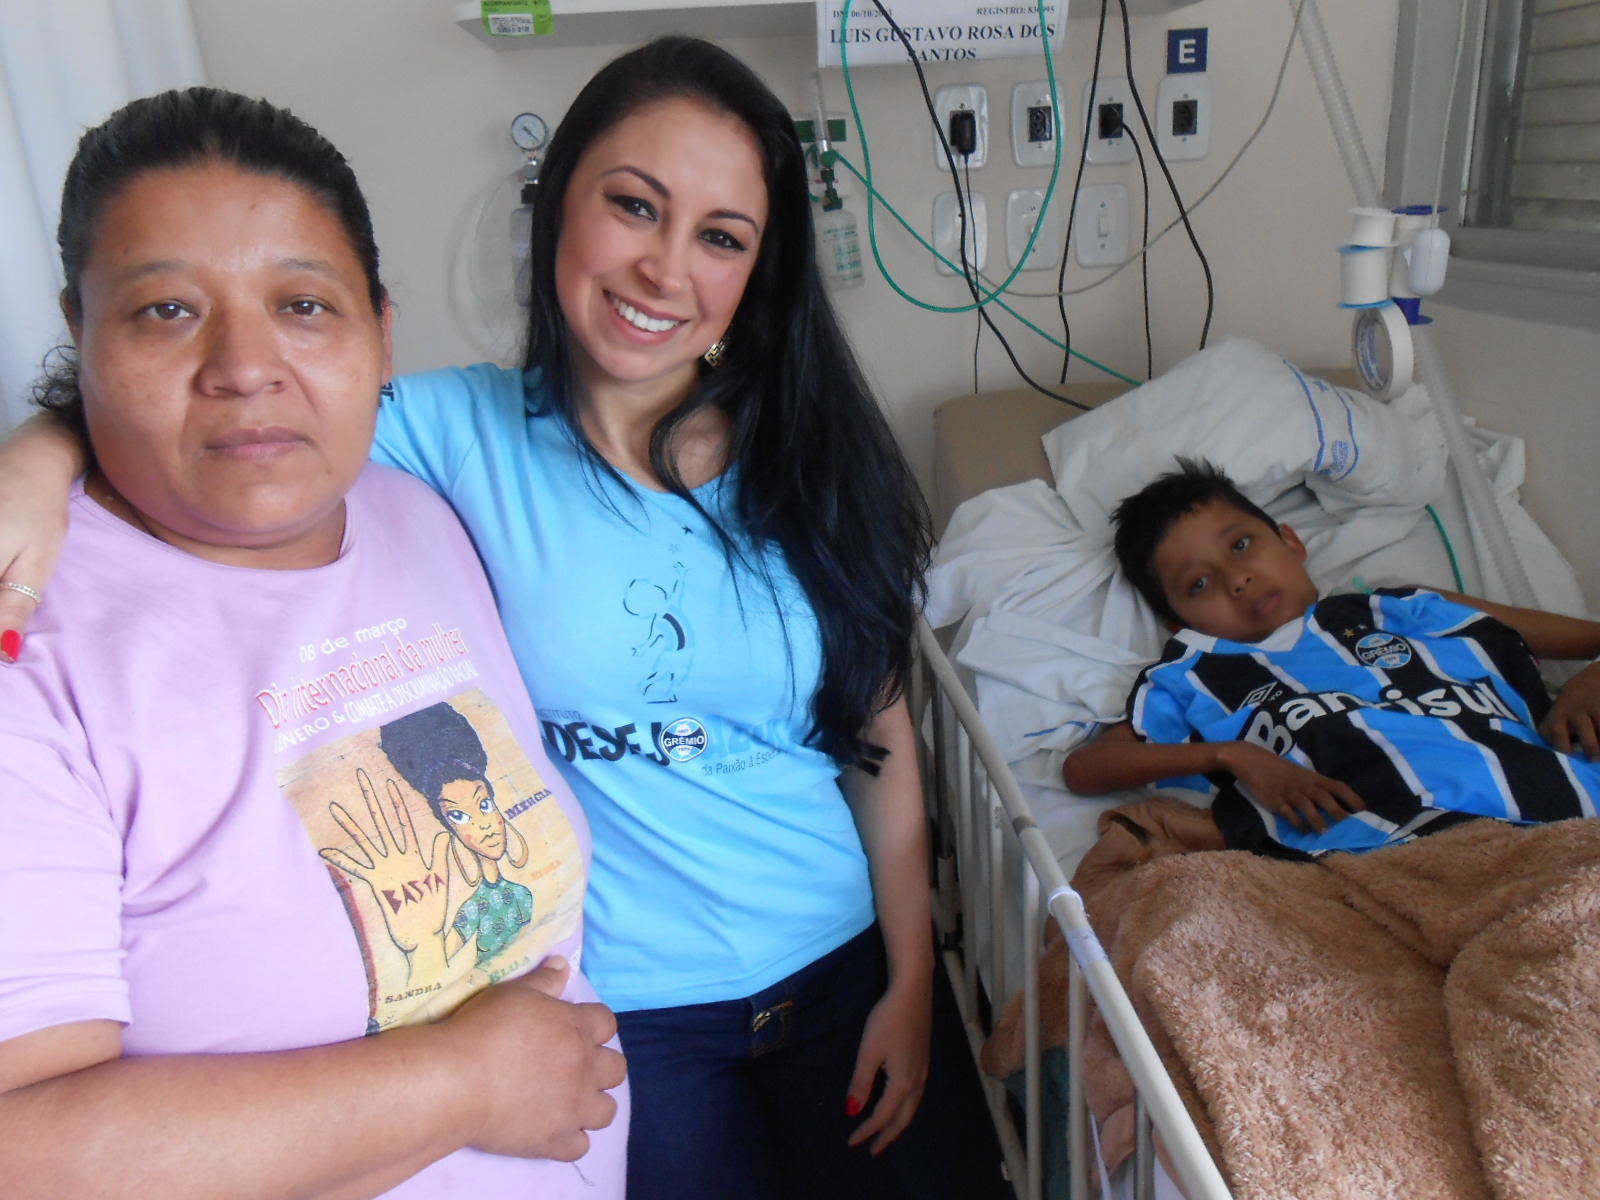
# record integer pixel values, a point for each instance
(838, 238)
(838, 244)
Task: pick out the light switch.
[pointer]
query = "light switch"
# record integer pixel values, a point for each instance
(1024, 211)
(1103, 219)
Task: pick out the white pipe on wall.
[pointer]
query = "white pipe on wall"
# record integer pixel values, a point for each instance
(1474, 483)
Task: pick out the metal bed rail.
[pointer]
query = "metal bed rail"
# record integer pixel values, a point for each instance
(974, 807)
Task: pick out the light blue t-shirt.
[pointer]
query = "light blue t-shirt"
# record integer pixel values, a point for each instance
(677, 704)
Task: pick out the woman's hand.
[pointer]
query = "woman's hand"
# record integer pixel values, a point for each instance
(1298, 794)
(540, 1065)
(895, 1042)
(38, 462)
(1573, 724)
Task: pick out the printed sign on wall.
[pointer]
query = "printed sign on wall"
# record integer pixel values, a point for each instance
(938, 30)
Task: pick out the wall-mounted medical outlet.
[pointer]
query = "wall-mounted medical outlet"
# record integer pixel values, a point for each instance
(1183, 116)
(973, 98)
(1036, 125)
(1100, 229)
(1025, 211)
(946, 230)
(1111, 107)
(839, 133)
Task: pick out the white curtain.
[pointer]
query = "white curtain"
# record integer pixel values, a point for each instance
(65, 65)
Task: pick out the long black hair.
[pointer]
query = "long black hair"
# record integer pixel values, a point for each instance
(817, 469)
(178, 129)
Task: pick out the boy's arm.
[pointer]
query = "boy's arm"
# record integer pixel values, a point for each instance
(1119, 758)
(1573, 723)
(1549, 635)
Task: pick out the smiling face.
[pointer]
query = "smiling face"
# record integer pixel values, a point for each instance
(467, 808)
(230, 361)
(660, 229)
(1227, 574)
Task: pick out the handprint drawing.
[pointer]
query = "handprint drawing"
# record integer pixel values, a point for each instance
(437, 751)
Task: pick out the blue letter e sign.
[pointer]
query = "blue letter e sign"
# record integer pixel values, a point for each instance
(1186, 51)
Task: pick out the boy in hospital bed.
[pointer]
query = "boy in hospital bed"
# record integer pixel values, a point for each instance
(1344, 723)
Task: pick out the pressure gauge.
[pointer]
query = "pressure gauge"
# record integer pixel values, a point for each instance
(529, 131)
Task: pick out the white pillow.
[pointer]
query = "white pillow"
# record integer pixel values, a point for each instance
(1261, 420)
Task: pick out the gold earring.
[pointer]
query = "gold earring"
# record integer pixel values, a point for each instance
(474, 875)
(714, 356)
(517, 858)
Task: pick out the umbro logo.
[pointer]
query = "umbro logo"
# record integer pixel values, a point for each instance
(1265, 694)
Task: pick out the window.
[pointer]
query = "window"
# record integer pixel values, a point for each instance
(1521, 164)
(1536, 146)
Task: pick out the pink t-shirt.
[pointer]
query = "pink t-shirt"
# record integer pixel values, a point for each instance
(221, 812)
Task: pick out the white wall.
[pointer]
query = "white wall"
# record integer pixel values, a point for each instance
(422, 107)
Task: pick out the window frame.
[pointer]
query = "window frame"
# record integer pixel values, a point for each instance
(1547, 277)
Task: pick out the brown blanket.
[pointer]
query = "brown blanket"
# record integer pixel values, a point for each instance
(1420, 1021)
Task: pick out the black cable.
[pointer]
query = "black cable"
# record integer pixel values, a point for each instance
(1172, 185)
(1072, 207)
(977, 335)
(966, 272)
(1144, 259)
(977, 340)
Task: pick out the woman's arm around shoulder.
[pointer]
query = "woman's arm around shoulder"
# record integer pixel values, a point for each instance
(430, 422)
(39, 459)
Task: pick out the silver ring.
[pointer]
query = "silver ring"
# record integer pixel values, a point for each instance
(24, 589)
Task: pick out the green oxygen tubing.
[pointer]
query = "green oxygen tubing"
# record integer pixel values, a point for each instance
(874, 198)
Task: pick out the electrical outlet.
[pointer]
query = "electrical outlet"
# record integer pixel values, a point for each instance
(1100, 229)
(1024, 210)
(1036, 125)
(1110, 96)
(973, 97)
(946, 226)
(1183, 116)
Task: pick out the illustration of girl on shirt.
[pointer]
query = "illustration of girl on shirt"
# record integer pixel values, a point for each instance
(438, 752)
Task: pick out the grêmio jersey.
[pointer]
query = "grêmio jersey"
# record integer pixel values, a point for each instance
(1426, 708)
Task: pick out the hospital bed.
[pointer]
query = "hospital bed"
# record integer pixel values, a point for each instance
(1026, 662)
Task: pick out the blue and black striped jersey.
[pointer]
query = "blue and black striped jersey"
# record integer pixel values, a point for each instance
(1426, 708)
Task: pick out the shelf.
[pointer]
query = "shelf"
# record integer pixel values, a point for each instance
(624, 22)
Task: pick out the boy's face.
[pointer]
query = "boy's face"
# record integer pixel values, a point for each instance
(1227, 574)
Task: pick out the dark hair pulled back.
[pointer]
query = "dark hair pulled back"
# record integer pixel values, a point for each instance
(184, 128)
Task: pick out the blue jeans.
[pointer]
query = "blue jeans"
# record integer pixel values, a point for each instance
(745, 1099)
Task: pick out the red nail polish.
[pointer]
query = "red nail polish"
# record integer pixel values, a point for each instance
(852, 1107)
(11, 644)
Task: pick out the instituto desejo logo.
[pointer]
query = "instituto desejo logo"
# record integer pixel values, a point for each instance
(1383, 650)
(683, 739)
